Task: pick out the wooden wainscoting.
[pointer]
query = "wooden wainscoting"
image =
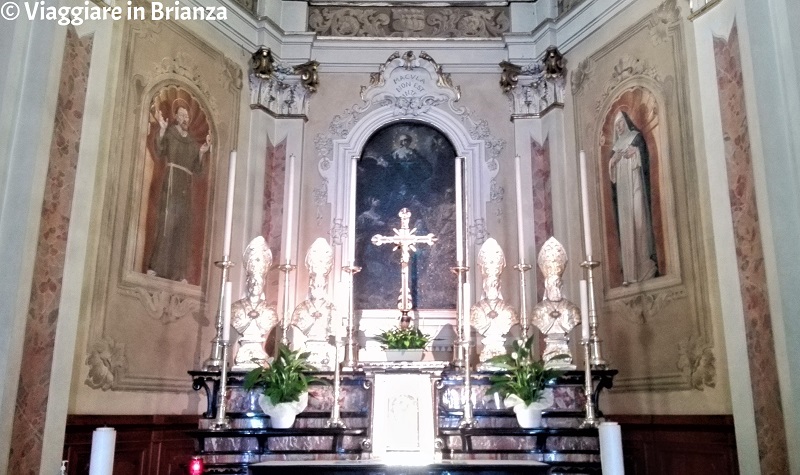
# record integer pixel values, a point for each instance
(146, 445)
(678, 445)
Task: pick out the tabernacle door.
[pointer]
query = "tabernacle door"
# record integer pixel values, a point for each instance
(402, 424)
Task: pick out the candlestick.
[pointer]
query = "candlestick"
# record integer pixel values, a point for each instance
(336, 419)
(520, 229)
(226, 312)
(467, 319)
(289, 210)
(459, 213)
(590, 419)
(287, 309)
(587, 231)
(462, 317)
(222, 422)
(584, 310)
(226, 246)
(467, 420)
(523, 298)
(351, 226)
(351, 345)
(214, 362)
(594, 340)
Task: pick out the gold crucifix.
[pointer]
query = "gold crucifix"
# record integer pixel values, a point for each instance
(405, 240)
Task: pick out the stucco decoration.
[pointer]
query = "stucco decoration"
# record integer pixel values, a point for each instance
(417, 22)
(534, 88)
(133, 312)
(279, 89)
(106, 360)
(408, 87)
(631, 104)
(697, 360)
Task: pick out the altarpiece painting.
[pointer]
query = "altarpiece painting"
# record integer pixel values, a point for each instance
(406, 165)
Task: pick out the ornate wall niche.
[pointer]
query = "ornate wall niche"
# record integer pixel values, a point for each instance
(631, 111)
(406, 89)
(137, 305)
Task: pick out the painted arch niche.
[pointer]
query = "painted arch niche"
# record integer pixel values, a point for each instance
(175, 190)
(406, 165)
(632, 171)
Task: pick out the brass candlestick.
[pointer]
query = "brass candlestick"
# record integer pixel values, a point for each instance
(596, 359)
(461, 313)
(590, 420)
(222, 422)
(214, 362)
(523, 301)
(351, 345)
(286, 269)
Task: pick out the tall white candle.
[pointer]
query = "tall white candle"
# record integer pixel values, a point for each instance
(289, 210)
(226, 246)
(102, 456)
(584, 295)
(587, 230)
(351, 227)
(611, 449)
(459, 213)
(467, 302)
(226, 311)
(520, 231)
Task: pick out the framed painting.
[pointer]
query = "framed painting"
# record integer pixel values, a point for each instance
(406, 165)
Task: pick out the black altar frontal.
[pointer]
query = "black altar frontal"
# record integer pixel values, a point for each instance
(400, 421)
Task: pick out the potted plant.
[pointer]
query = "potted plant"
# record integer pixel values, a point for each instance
(403, 344)
(523, 383)
(284, 386)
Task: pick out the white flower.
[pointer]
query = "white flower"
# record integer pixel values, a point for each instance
(514, 355)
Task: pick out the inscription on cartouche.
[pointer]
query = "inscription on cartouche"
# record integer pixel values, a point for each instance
(409, 85)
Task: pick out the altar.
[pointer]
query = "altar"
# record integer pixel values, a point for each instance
(422, 435)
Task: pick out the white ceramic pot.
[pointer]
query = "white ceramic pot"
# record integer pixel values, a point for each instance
(528, 417)
(282, 415)
(405, 355)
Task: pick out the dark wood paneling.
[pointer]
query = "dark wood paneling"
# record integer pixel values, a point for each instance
(670, 445)
(146, 445)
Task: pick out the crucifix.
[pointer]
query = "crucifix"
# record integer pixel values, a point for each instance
(405, 240)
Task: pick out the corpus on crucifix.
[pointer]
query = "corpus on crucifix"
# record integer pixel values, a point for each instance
(405, 240)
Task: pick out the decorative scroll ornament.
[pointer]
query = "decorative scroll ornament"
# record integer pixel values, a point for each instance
(409, 91)
(536, 88)
(106, 360)
(698, 361)
(183, 65)
(627, 67)
(641, 308)
(278, 89)
(166, 307)
(412, 22)
(661, 21)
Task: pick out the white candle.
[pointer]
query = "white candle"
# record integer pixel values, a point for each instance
(467, 303)
(101, 461)
(226, 246)
(611, 448)
(584, 309)
(226, 311)
(587, 230)
(351, 227)
(289, 210)
(459, 214)
(520, 232)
